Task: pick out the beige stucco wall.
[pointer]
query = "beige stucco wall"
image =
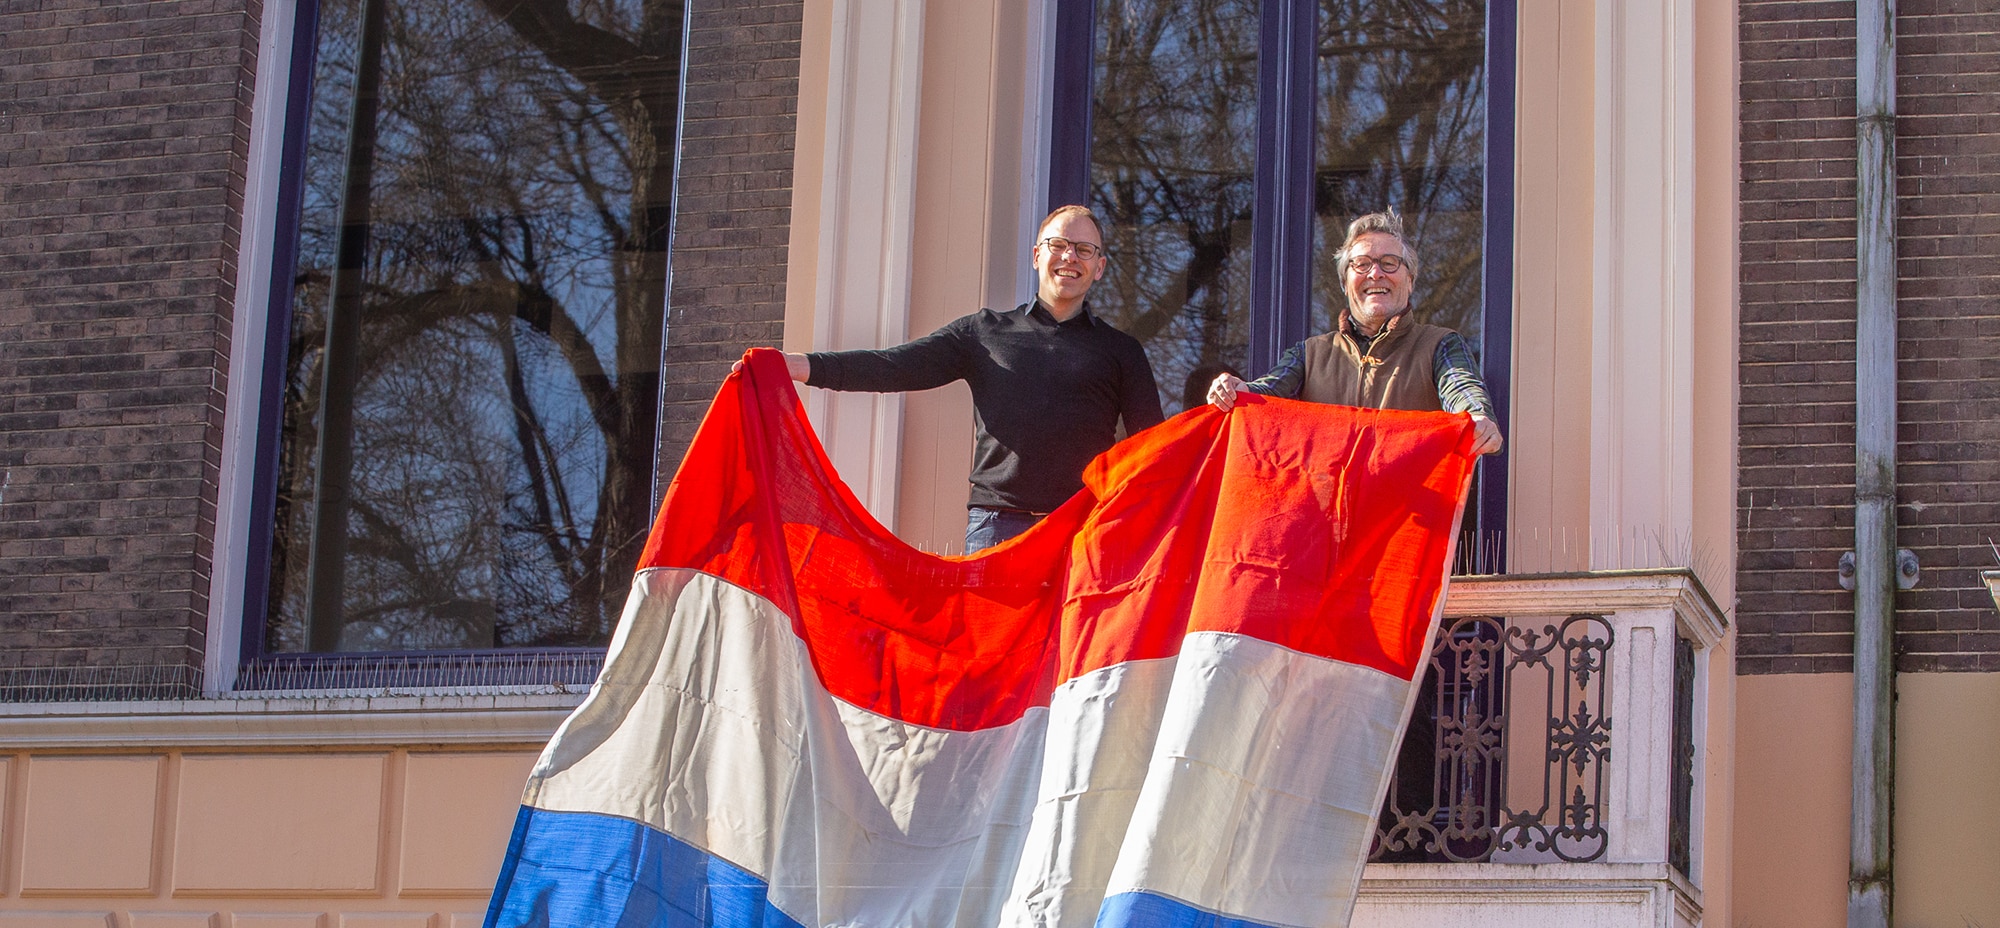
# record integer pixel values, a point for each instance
(385, 837)
(808, 181)
(1566, 372)
(1793, 738)
(1712, 551)
(1549, 467)
(413, 835)
(1947, 862)
(1559, 519)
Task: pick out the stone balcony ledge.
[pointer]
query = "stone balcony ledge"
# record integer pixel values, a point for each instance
(1495, 895)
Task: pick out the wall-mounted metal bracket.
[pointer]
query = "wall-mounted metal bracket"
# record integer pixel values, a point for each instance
(1907, 570)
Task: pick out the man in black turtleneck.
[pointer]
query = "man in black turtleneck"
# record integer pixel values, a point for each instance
(1050, 382)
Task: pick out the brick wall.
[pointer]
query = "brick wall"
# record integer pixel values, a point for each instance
(733, 211)
(1794, 512)
(122, 145)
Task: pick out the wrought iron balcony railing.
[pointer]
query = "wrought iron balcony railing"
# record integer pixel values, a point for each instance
(1561, 721)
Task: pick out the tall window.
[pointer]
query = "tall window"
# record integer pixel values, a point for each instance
(477, 269)
(1229, 142)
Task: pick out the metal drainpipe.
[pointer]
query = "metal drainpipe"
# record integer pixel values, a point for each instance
(1874, 464)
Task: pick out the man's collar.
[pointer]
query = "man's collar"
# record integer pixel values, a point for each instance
(1088, 318)
(1395, 323)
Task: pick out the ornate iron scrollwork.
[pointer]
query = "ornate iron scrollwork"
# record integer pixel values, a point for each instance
(1680, 819)
(1449, 798)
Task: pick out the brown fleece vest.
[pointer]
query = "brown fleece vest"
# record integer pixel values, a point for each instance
(1397, 371)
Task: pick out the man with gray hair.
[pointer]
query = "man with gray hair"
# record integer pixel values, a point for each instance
(1377, 357)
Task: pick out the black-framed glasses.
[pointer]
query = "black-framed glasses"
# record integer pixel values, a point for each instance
(1083, 250)
(1389, 264)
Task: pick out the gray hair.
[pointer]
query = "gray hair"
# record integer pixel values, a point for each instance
(1387, 222)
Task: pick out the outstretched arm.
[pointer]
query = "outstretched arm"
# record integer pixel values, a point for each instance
(931, 361)
(1286, 378)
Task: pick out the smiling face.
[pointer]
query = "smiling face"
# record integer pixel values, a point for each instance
(1063, 277)
(1375, 296)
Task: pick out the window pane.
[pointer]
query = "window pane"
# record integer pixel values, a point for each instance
(1173, 156)
(1402, 122)
(472, 385)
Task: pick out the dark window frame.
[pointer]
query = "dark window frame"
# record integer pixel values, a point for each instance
(1282, 223)
(256, 593)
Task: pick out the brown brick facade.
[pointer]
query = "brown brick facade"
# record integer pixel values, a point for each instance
(123, 130)
(1795, 498)
(733, 207)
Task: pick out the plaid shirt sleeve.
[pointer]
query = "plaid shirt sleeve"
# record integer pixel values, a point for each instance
(1459, 386)
(1287, 378)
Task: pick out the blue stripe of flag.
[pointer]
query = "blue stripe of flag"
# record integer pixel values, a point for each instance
(576, 869)
(1149, 910)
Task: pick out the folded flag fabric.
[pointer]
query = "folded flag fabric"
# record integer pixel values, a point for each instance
(1176, 701)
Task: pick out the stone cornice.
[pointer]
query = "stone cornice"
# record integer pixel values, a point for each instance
(1502, 884)
(1597, 591)
(329, 721)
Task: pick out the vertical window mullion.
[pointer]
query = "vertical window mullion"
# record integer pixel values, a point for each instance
(339, 369)
(1282, 221)
(1069, 113)
(1497, 285)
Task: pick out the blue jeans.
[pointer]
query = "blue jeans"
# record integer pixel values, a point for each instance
(985, 527)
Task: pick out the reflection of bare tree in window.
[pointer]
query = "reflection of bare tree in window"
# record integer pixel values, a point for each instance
(511, 310)
(1173, 153)
(1402, 123)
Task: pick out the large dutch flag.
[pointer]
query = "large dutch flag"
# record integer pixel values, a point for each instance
(1174, 702)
